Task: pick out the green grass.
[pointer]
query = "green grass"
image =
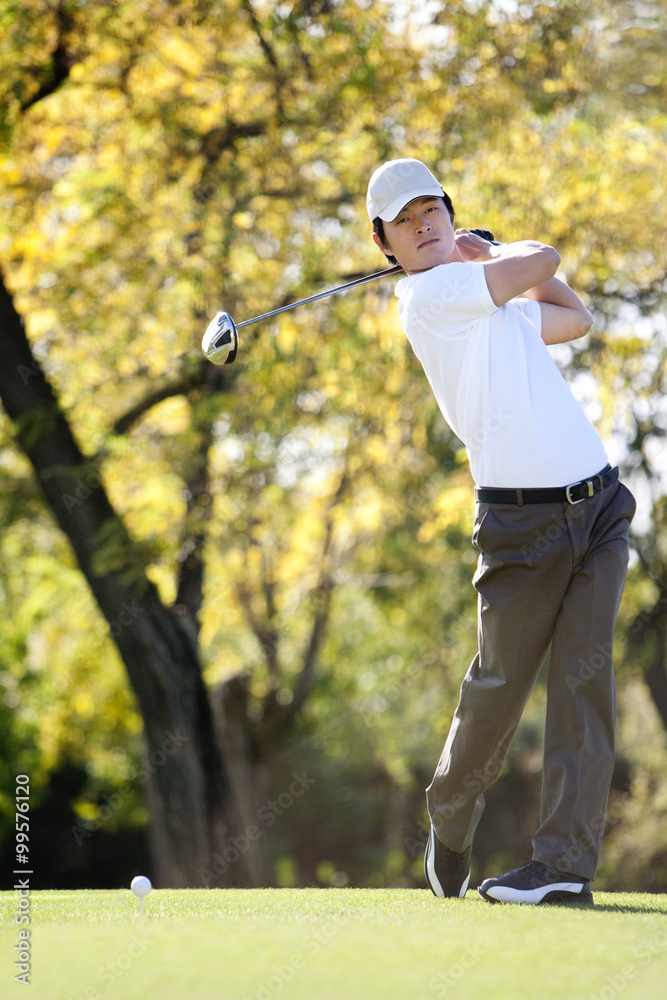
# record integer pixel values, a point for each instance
(334, 944)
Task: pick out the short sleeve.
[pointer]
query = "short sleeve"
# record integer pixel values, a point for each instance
(446, 299)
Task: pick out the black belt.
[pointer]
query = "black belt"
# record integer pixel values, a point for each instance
(572, 494)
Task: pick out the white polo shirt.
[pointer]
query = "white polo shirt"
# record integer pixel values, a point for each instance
(495, 382)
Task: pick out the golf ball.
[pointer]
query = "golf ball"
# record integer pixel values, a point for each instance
(141, 886)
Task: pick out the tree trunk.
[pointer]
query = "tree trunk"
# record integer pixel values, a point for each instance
(648, 632)
(189, 789)
(249, 774)
(656, 678)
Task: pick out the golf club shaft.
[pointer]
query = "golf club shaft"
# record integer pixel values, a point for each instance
(321, 295)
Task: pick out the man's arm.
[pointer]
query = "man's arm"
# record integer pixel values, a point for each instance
(511, 268)
(527, 268)
(564, 316)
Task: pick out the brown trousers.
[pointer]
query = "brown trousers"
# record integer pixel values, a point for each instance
(547, 574)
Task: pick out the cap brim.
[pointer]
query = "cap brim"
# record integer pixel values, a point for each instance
(394, 207)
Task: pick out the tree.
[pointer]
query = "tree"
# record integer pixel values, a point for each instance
(101, 53)
(189, 783)
(159, 161)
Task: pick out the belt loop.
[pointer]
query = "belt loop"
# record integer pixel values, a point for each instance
(519, 497)
(601, 482)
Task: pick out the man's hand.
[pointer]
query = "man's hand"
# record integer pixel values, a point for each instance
(473, 247)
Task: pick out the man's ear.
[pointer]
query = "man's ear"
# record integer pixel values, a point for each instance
(378, 243)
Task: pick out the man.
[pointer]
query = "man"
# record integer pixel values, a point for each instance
(551, 524)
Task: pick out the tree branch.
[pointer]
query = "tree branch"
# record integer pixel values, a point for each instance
(214, 377)
(321, 596)
(61, 61)
(271, 57)
(179, 388)
(189, 595)
(266, 636)
(214, 142)
(266, 48)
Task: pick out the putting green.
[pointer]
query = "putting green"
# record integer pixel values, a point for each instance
(331, 944)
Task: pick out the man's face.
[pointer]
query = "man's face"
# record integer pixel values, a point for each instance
(421, 236)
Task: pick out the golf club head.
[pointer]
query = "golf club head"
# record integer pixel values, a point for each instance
(221, 340)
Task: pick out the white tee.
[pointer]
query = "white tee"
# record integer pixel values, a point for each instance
(495, 382)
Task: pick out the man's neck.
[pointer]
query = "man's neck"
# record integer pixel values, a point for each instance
(454, 257)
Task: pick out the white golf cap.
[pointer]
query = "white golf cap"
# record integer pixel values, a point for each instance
(395, 184)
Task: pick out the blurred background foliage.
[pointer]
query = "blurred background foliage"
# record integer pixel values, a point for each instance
(159, 161)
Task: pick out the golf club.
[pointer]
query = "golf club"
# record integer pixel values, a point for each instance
(220, 343)
(221, 340)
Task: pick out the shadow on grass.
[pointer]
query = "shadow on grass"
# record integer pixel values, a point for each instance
(606, 907)
(627, 908)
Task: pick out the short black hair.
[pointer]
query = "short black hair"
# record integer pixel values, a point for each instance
(378, 225)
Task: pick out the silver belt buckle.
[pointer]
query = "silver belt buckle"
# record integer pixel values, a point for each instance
(591, 491)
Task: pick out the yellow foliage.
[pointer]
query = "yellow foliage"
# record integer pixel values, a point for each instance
(287, 335)
(190, 54)
(193, 160)
(41, 322)
(378, 449)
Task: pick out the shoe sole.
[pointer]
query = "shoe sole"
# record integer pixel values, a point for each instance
(561, 892)
(432, 879)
